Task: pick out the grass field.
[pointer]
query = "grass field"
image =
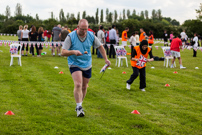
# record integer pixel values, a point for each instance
(43, 101)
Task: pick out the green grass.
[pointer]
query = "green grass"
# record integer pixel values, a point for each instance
(43, 101)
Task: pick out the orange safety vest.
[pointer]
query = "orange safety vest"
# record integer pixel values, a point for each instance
(123, 38)
(138, 51)
(142, 37)
(151, 39)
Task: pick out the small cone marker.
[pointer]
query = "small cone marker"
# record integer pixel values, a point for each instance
(9, 113)
(61, 72)
(135, 112)
(167, 85)
(123, 72)
(175, 72)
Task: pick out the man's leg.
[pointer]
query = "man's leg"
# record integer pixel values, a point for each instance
(53, 50)
(57, 48)
(84, 87)
(77, 78)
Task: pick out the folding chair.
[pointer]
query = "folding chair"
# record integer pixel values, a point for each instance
(120, 55)
(15, 53)
(167, 56)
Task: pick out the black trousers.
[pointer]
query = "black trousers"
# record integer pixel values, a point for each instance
(25, 45)
(106, 48)
(112, 50)
(132, 47)
(135, 74)
(194, 53)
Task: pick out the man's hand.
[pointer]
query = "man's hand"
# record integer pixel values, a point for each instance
(77, 53)
(108, 62)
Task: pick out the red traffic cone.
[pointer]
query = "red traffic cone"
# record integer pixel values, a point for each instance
(167, 85)
(61, 72)
(123, 72)
(175, 72)
(135, 112)
(9, 113)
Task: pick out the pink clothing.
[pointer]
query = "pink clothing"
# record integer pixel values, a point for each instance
(171, 36)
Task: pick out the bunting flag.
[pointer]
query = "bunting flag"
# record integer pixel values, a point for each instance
(157, 47)
(129, 46)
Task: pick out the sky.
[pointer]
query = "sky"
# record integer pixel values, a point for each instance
(180, 10)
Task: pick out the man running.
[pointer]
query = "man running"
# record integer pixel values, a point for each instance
(77, 46)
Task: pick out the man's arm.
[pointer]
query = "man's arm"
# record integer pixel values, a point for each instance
(102, 51)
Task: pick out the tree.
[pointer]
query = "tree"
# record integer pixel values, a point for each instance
(159, 14)
(134, 12)
(124, 14)
(18, 9)
(101, 16)
(96, 17)
(110, 19)
(8, 12)
(128, 13)
(84, 15)
(115, 16)
(52, 15)
(62, 16)
(107, 15)
(146, 13)
(154, 15)
(67, 16)
(120, 17)
(37, 17)
(90, 19)
(175, 22)
(199, 12)
(142, 14)
(78, 16)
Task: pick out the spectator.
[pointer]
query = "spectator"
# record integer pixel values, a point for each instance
(137, 37)
(151, 39)
(132, 41)
(142, 35)
(195, 44)
(19, 33)
(56, 31)
(112, 38)
(165, 37)
(171, 36)
(33, 37)
(49, 33)
(125, 36)
(41, 39)
(24, 37)
(64, 33)
(101, 37)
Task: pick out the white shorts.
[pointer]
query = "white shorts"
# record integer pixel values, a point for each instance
(175, 54)
(124, 43)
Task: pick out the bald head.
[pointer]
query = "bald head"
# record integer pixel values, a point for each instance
(82, 27)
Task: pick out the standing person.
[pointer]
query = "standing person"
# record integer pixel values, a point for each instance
(132, 41)
(117, 37)
(33, 35)
(41, 39)
(77, 47)
(24, 37)
(138, 63)
(151, 38)
(56, 31)
(112, 38)
(19, 33)
(137, 37)
(45, 35)
(49, 33)
(125, 36)
(175, 47)
(183, 37)
(165, 38)
(171, 36)
(107, 40)
(142, 35)
(195, 46)
(64, 33)
(101, 37)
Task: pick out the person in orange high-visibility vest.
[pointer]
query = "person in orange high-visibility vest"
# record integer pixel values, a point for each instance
(124, 36)
(138, 63)
(151, 39)
(142, 35)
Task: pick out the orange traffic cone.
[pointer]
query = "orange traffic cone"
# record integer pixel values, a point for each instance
(167, 85)
(61, 72)
(175, 72)
(9, 113)
(135, 112)
(123, 72)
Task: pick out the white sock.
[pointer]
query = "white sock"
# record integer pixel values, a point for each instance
(181, 66)
(78, 104)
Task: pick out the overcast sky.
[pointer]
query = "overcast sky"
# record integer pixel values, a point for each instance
(180, 10)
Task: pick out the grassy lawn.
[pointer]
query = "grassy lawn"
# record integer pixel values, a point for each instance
(43, 101)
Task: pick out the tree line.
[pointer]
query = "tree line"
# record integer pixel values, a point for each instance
(156, 22)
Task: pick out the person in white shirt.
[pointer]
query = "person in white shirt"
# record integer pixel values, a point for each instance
(132, 41)
(101, 37)
(112, 38)
(183, 36)
(137, 37)
(24, 37)
(195, 46)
